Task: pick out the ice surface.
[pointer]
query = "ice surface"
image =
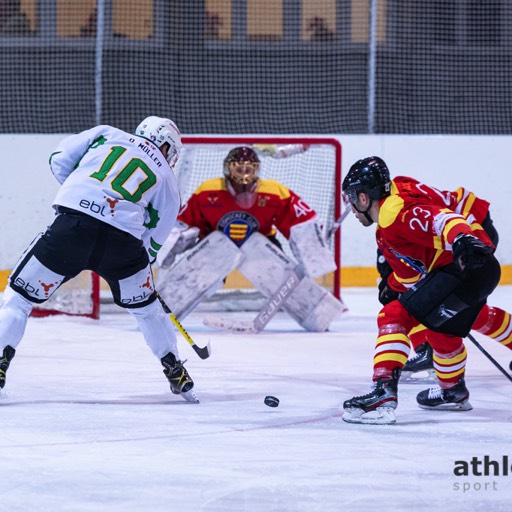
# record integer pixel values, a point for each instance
(88, 423)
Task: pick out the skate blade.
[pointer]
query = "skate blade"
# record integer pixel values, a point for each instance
(423, 377)
(380, 416)
(462, 406)
(190, 396)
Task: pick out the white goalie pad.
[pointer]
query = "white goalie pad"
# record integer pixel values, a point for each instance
(267, 267)
(199, 273)
(309, 247)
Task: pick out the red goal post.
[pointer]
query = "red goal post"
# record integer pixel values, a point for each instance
(310, 166)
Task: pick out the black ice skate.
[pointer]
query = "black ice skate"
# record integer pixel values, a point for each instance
(455, 398)
(5, 361)
(377, 407)
(178, 377)
(421, 363)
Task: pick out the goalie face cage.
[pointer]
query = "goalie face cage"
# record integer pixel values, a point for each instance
(311, 167)
(79, 297)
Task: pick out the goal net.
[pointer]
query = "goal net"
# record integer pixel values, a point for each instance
(311, 167)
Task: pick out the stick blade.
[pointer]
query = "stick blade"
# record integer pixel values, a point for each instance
(203, 352)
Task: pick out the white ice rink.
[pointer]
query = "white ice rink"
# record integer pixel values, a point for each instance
(88, 424)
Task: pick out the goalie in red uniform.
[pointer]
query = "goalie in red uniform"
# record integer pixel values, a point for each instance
(443, 270)
(235, 218)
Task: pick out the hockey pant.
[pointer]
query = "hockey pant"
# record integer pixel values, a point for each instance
(76, 242)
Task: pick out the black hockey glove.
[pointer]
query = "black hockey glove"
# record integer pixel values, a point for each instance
(386, 294)
(469, 253)
(383, 267)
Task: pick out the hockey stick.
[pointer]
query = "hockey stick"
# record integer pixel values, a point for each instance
(202, 352)
(274, 303)
(486, 354)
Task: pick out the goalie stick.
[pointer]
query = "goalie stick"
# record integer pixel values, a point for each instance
(273, 303)
(202, 352)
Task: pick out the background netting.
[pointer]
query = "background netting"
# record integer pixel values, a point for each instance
(258, 66)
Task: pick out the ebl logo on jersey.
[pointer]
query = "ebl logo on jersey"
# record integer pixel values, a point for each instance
(238, 226)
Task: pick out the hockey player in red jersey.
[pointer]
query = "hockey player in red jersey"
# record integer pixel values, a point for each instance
(443, 270)
(493, 321)
(237, 217)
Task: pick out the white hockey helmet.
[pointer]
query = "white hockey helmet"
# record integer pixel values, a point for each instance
(160, 130)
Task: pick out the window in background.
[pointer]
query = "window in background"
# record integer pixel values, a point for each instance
(76, 18)
(360, 21)
(133, 19)
(265, 19)
(319, 20)
(17, 18)
(218, 19)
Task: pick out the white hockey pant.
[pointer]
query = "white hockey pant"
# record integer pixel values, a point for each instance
(157, 329)
(267, 267)
(14, 313)
(198, 274)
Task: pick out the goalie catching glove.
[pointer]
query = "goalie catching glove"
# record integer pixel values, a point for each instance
(469, 252)
(181, 239)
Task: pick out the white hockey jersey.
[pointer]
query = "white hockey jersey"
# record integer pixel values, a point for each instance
(118, 178)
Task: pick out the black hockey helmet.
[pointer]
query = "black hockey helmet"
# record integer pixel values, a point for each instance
(369, 175)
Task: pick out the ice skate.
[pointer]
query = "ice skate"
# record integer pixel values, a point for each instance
(5, 361)
(376, 407)
(420, 367)
(455, 398)
(178, 377)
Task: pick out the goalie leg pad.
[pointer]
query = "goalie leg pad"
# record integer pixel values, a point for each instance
(267, 267)
(313, 307)
(200, 272)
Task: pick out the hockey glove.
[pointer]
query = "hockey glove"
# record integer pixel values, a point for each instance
(187, 239)
(469, 253)
(383, 267)
(386, 294)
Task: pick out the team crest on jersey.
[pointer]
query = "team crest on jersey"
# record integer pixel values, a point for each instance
(238, 226)
(414, 263)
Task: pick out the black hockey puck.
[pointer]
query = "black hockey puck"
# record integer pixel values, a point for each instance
(271, 401)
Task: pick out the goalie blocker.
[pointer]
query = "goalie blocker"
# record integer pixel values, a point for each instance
(202, 270)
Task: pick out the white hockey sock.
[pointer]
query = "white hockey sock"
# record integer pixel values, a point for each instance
(13, 318)
(156, 328)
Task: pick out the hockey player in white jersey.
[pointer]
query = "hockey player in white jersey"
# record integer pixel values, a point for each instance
(117, 204)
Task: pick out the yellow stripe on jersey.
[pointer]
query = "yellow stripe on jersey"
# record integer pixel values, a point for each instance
(451, 224)
(213, 184)
(273, 187)
(389, 210)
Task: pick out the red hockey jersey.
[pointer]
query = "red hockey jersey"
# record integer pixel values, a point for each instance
(212, 207)
(418, 224)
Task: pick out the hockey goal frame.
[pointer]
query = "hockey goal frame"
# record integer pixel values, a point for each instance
(285, 140)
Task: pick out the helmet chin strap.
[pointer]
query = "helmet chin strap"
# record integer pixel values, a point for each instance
(364, 212)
